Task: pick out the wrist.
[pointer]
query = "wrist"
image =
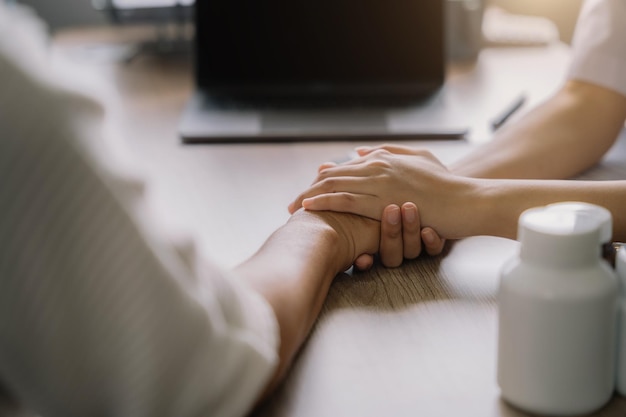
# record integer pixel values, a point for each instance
(342, 236)
(325, 228)
(496, 208)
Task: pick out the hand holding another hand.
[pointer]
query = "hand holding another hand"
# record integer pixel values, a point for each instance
(401, 237)
(401, 234)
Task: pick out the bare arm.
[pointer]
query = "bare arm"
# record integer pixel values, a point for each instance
(564, 136)
(559, 139)
(293, 270)
(497, 204)
(455, 206)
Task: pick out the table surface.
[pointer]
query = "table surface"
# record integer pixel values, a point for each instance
(419, 340)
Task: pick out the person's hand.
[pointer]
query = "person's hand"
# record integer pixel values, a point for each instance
(355, 235)
(393, 175)
(401, 237)
(361, 185)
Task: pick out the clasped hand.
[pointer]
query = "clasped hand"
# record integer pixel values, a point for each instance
(389, 183)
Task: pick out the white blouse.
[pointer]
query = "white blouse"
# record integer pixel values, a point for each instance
(99, 314)
(599, 44)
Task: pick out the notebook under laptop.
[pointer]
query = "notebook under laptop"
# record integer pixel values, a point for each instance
(273, 70)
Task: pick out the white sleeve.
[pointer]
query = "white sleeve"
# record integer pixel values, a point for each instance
(97, 316)
(599, 44)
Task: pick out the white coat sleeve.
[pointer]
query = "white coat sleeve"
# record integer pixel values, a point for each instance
(97, 315)
(599, 45)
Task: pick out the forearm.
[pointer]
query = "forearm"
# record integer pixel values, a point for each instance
(502, 201)
(564, 136)
(294, 269)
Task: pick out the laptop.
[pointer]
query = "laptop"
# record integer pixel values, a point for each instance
(293, 70)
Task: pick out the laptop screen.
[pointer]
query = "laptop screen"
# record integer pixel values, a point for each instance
(320, 47)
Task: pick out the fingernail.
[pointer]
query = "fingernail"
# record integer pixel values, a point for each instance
(428, 237)
(393, 216)
(325, 166)
(410, 213)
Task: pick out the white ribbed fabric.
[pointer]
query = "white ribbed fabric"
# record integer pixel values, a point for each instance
(98, 313)
(599, 44)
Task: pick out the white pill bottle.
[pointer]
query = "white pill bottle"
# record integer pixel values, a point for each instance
(606, 224)
(620, 264)
(557, 315)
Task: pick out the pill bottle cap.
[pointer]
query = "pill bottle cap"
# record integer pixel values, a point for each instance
(559, 237)
(603, 215)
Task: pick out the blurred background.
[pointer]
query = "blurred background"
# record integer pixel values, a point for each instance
(70, 13)
(168, 24)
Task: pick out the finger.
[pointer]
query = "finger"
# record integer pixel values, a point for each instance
(354, 168)
(397, 149)
(391, 237)
(316, 188)
(411, 235)
(361, 204)
(364, 262)
(352, 185)
(326, 165)
(327, 170)
(357, 167)
(433, 243)
(364, 150)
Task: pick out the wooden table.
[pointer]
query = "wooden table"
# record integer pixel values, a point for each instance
(419, 340)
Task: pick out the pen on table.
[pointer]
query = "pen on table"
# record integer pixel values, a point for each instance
(508, 112)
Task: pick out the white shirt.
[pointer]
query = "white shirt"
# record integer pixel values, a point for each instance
(99, 315)
(599, 45)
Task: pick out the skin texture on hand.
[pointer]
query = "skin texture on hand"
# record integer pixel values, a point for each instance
(401, 237)
(401, 234)
(395, 175)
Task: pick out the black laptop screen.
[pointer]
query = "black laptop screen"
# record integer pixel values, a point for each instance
(320, 46)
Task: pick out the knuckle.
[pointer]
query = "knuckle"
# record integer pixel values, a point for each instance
(425, 153)
(377, 164)
(348, 198)
(322, 175)
(380, 153)
(341, 201)
(393, 233)
(328, 184)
